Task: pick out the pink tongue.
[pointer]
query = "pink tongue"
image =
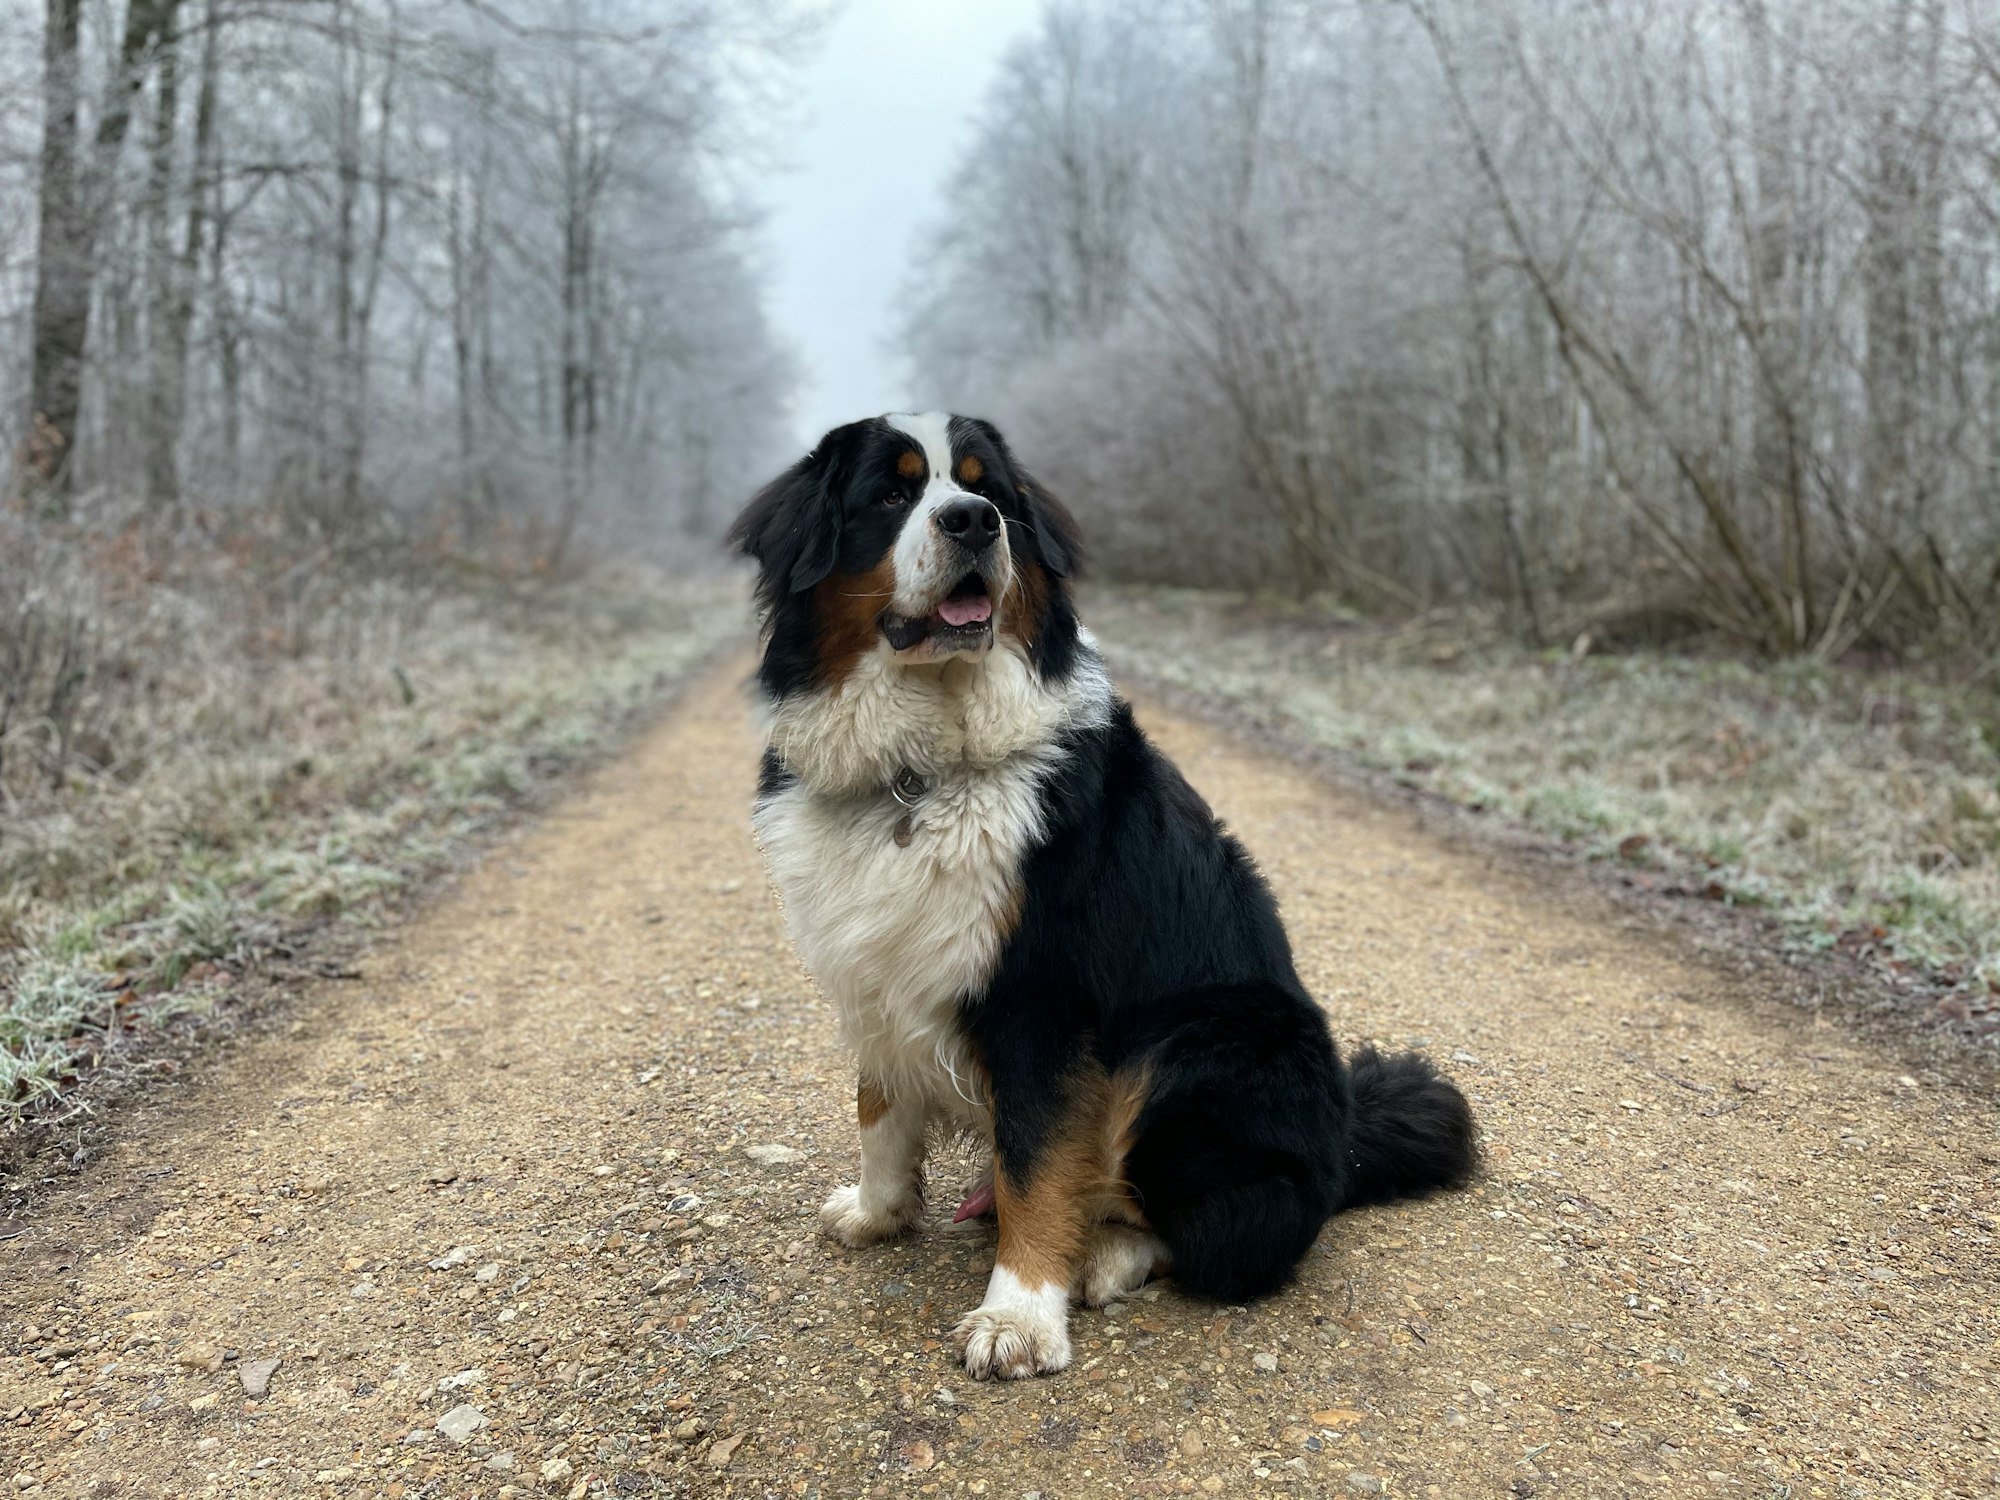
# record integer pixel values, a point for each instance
(979, 1201)
(965, 611)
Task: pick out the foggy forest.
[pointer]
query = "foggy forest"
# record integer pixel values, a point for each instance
(562, 912)
(377, 378)
(1673, 316)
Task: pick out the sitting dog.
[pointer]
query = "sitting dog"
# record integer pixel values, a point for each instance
(1032, 928)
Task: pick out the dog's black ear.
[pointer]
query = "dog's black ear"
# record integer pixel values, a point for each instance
(792, 525)
(1054, 528)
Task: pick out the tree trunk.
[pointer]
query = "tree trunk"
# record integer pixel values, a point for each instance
(162, 399)
(62, 259)
(75, 203)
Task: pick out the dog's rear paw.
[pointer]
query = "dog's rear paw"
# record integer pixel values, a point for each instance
(1016, 1332)
(854, 1224)
(1120, 1260)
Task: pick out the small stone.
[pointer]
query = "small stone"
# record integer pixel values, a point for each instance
(419, 1437)
(488, 1272)
(441, 1176)
(1480, 1389)
(774, 1155)
(1191, 1444)
(463, 1380)
(256, 1376)
(1631, 1104)
(457, 1255)
(689, 1430)
(1265, 1363)
(1364, 1484)
(204, 1403)
(722, 1452)
(459, 1424)
(557, 1470)
(199, 1357)
(500, 1463)
(684, 1203)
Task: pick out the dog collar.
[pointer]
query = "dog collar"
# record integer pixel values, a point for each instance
(909, 789)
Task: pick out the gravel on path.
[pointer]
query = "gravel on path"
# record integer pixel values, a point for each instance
(531, 1211)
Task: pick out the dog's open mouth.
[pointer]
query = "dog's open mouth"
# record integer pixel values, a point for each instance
(967, 604)
(962, 620)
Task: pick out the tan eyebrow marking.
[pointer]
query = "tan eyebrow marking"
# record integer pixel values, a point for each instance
(970, 469)
(911, 465)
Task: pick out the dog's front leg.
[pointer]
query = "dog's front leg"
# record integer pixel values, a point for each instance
(890, 1196)
(1022, 1328)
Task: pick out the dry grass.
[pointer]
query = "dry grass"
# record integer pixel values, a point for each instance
(259, 744)
(1863, 806)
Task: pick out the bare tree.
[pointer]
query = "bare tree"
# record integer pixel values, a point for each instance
(1618, 316)
(263, 233)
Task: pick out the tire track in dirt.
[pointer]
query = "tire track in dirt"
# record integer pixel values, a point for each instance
(549, 1174)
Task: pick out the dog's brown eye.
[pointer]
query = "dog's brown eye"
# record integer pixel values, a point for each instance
(894, 497)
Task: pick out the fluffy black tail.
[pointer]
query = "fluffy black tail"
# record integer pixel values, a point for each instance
(1411, 1130)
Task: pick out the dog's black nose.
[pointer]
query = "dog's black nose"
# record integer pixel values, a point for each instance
(971, 522)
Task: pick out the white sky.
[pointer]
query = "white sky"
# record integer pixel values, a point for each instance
(887, 109)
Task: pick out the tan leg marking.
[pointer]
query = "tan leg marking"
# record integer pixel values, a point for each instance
(1047, 1226)
(889, 1199)
(870, 1103)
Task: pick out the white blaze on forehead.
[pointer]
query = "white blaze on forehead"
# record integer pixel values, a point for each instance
(932, 430)
(926, 565)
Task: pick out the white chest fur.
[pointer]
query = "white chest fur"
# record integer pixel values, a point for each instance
(896, 936)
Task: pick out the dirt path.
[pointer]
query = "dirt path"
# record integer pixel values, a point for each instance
(550, 1172)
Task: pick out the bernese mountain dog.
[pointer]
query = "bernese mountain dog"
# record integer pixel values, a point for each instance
(1032, 928)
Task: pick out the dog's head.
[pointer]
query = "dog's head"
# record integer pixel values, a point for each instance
(914, 536)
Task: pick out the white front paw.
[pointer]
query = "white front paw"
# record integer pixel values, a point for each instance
(1016, 1332)
(854, 1223)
